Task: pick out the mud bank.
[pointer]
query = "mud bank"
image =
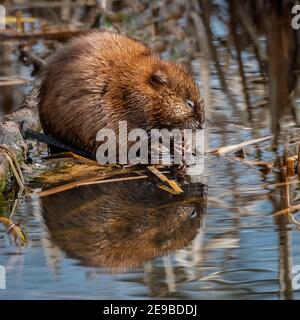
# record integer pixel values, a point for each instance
(13, 147)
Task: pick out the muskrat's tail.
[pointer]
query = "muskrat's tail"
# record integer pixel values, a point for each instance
(55, 145)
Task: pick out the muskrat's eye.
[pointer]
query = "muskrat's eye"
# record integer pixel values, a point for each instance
(190, 104)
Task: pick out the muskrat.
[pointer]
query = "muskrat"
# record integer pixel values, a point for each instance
(99, 79)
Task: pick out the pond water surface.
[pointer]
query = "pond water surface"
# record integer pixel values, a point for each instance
(131, 240)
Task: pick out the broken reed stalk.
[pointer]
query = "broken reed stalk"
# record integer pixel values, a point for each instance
(172, 183)
(13, 162)
(115, 180)
(167, 189)
(289, 162)
(15, 230)
(85, 182)
(224, 150)
(290, 209)
(252, 163)
(5, 82)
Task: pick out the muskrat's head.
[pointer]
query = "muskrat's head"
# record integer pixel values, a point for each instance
(158, 94)
(169, 96)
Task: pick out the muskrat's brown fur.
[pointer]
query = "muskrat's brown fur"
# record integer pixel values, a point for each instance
(123, 225)
(102, 78)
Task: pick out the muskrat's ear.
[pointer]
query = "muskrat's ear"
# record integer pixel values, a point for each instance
(158, 78)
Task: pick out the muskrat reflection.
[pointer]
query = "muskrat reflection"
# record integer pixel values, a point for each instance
(122, 225)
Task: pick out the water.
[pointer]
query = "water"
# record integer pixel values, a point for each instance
(131, 240)
(11, 96)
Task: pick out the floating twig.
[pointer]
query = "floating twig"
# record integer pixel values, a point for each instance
(85, 182)
(223, 150)
(290, 209)
(15, 230)
(253, 163)
(165, 188)
(11, 81)
(172, 183)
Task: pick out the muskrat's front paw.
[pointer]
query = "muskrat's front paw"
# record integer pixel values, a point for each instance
(179, 171)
